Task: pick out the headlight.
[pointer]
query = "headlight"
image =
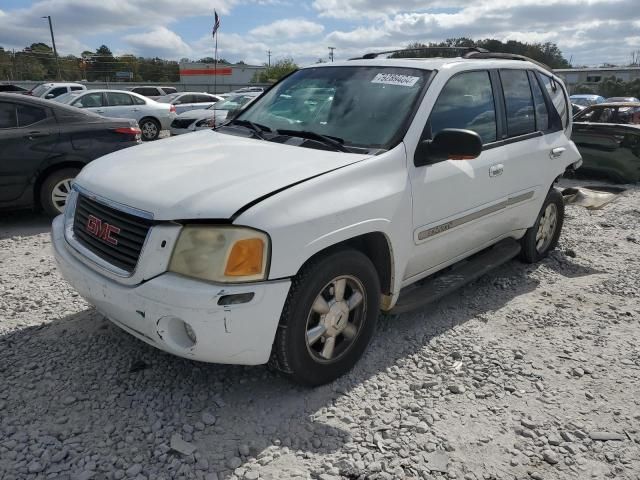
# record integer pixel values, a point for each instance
(221, 254)
(207, 122)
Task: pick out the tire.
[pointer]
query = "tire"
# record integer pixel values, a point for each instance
(543, 237)
(150, 129)
(54, 189)
(301, 349)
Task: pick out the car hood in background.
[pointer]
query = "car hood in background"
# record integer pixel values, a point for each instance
(204, 175)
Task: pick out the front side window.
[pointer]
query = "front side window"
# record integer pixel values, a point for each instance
(8, 115)
(117, 99)
(518, 102)
(597, 115)
(556, 93)
(357, 106)
(28, 115)
(57, 92)
(466, 102)
(90, 100)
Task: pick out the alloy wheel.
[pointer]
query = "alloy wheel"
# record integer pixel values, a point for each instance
(546, 227)
(59, 194)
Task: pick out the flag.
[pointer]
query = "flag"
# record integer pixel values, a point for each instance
(216, 24)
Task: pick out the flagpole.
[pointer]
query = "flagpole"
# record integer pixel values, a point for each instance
(215, 68)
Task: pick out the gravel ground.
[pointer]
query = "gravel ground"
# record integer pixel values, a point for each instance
(531, 372)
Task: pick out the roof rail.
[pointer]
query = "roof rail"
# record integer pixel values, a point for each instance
(369, 56)
(470, 52)
(505, 56)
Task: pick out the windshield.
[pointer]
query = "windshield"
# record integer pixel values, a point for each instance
(39, 90)
(65, 97)
(362, 106)
(583, 102)
(232, 103)
(168, 98)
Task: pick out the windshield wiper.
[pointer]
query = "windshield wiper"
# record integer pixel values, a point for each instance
(335, 142)
(256, 127)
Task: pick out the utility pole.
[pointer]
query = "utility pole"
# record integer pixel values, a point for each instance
(331, 49)
(53, 41)
(269, 57)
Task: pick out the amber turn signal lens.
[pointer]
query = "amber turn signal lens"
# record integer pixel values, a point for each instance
(246, 258)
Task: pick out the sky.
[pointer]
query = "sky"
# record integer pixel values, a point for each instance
(589, 32)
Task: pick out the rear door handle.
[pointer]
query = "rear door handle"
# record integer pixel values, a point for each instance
(496, 170)
(99, 111)
(557, 152)
(135, 109)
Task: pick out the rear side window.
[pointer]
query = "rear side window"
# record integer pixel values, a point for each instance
(466, 101)
(28, 115)
(117, 99)
(138, 101)
(8, 115)
(202, 99)
(542, 115)
(168, 90)
(186, 99)
(75, 89)
(147, 91)
(518, 102)
(556, 93)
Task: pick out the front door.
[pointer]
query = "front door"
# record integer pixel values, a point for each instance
(458, 204)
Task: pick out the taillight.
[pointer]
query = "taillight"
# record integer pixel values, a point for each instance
(172, 109)
(128, 130)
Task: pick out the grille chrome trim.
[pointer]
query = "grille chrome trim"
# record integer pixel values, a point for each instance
(87, 256)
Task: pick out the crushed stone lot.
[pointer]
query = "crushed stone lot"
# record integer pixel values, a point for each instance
(532, 372)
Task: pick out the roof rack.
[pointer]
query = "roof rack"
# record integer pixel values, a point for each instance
(371, 55)
(470, 52)
(505, 56)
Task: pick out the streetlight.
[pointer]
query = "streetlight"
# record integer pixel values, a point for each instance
(53, 41)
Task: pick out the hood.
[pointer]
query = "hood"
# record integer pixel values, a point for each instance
(204, 174)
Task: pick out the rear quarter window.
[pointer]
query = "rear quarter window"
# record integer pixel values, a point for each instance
(28, 115)
(557, 95)
(8, 115)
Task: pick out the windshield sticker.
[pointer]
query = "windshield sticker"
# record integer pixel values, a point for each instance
(395, 79)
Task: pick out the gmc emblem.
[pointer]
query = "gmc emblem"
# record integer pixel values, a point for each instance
(102, 230)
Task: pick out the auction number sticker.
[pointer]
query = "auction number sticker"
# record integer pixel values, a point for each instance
(395, 79)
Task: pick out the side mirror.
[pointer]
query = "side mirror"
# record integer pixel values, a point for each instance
(448, 144)
(49, 95)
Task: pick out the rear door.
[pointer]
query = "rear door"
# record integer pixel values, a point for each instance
(28, 134)
(120, 105)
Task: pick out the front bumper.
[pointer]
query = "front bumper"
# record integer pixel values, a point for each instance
(157, 310)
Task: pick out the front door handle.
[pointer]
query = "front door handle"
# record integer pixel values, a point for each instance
(32, 135)
(496, 170)
(556, 152)
(135, 109)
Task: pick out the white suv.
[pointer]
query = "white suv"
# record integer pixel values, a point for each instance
(55, 89)
(347, 189)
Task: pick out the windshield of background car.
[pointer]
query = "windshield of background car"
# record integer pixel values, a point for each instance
(364, 106)
(65, 97)
(39, 90)
(168, 98)
(584, 102)
(232, 103)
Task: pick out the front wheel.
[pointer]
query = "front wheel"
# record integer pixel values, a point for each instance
(150, 129)
(543, 236)
(328, 319)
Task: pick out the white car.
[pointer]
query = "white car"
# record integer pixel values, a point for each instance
(150, 115)
(55, 89)
(216, 114)
(348, 188)
(185, 101)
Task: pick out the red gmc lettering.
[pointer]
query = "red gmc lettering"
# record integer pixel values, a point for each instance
(102, 230)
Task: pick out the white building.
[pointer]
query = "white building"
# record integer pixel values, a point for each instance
(205, 76)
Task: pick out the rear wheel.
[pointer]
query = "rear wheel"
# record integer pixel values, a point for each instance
(150, 129)
(55, 190)
(328, 319)
(543, 236)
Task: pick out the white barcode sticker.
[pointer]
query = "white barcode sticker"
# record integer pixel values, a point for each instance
(395, 79)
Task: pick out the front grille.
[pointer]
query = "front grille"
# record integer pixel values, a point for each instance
(115, 236)
(182, 123)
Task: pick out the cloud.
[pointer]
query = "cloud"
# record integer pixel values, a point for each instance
(158, 42)
(287, 28)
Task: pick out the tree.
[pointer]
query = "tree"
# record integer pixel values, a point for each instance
(276, 71)
(547, 53)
